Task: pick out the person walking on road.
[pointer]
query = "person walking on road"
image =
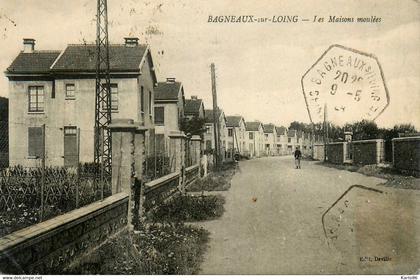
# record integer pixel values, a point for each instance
(298, 156)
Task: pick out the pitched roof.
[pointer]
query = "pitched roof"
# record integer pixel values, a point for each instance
(36, 62)
(233, 121)
(82, 57)
(192, 106)
(268, 128)
(209, 116)
(291, 133)
(252, 126)
(280, 130)
(167, 90)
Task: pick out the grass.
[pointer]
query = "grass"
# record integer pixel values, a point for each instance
(157, 249)
(215, 181)
(189, 208)
(393, 177)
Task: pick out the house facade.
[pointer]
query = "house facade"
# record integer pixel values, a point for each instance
(209, 141)
(169, 111)
(57, 89)
(269, 139)
(194, 108)
(292, 140)
(235, 134)
(281, 140)
(254, 146)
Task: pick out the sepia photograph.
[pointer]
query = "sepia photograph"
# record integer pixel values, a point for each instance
(209, 138)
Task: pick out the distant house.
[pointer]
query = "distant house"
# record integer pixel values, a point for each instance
(57, 88)
(169, 110)
(269, 139)
(209, 141)
(254, 139)
(194, 107)
(281, 140)
(292, 140)
(236, 134)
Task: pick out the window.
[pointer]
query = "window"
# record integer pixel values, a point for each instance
(150, 104)
(36, 99)
(230, 132)
(70, 91)
(35, 142)
(159, 115)
(266, 136)
(142, 101)
(289, 140)
(208, 129)
(70, 130)
(251, 135)
(114, 96)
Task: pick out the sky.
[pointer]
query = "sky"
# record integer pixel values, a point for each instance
(259, 66)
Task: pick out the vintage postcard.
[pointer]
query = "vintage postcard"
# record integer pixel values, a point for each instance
(185, 137)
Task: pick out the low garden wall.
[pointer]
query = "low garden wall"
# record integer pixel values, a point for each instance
(47, 247)
(336, 152)
(406, 155)
(368, 151)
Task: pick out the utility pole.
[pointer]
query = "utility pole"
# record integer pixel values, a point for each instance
(216, 127)
(102, 151)
(325, 132)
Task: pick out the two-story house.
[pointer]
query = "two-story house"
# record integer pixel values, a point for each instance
(209, 141)
(194, 108)
(281, 140)
(169, 111)
(254, 139)
(292, 141)
(57, 89)
(270, 135)
(236, 134)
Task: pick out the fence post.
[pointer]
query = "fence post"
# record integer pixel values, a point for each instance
(178, 153)
(43, 173)
(196, 142)
(122, 131)
(139, 157)
(78, 168)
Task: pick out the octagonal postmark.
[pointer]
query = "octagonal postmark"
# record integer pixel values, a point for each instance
(346, 82)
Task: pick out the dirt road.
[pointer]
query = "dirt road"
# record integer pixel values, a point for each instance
(272, 223)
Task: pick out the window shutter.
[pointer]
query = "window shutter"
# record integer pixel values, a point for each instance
(35, 142)
(159, 115)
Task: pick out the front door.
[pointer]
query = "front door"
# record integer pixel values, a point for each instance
(71, 157)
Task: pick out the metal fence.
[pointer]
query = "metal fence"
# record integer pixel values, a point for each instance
(4, 144)
(31, 195)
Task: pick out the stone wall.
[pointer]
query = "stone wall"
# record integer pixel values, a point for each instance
(48, 247)
(406, 155)
(336, 152)
(368, 151)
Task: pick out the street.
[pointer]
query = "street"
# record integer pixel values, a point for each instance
(272, 223)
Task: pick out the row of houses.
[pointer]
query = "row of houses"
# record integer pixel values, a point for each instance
(57, 89)
(254, 138)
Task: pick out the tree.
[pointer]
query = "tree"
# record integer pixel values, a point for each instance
(194, 126)
(363, 130)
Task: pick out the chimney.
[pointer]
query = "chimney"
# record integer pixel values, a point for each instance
(131, 41)
(170, 80)
(194, 97)
(28, 45)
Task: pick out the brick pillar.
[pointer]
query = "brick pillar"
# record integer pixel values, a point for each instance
(196, 143)
(177, 154)
(139, 157)
(123, 161)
